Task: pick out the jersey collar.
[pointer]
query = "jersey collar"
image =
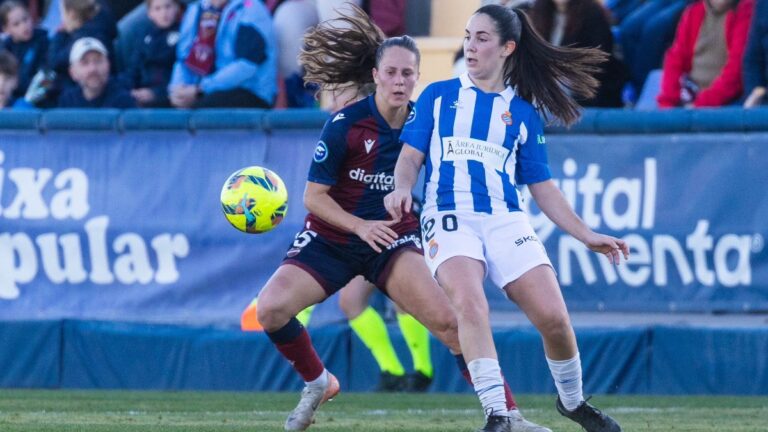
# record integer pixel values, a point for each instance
(466, 83)
(377, 115)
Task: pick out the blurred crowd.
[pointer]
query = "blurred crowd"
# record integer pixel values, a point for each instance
(243, 53)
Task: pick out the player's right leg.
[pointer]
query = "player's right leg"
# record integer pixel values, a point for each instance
(411, 286)
(455, 254)
(288, 291)
(368, 325)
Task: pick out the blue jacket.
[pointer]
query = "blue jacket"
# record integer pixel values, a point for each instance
(756, 55)
(152, 62)
(245, 49)
(31, 56)
(115, 95)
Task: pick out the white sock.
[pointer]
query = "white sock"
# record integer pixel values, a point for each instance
(489, 386)
(319, 382)
(567, 375)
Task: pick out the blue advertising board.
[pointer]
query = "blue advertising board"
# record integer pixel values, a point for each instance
(127, 226)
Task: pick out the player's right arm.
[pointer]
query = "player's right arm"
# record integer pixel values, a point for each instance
(415, 137)
(321, 204)
(407, 169)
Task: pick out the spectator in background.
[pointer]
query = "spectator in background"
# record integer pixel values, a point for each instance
(294, 17)
(35, 7)
(80, 18)
(645, 33)
(225, 56)
(583, 24)
(89, 67)
(756, 58)
(149, 71)
(9, 73)
(703, 66)
(28, 44)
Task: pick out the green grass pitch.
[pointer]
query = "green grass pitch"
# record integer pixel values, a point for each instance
(107, 411)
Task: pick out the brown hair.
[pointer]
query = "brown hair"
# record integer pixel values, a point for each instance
(339, 54)
(542, 15)
(7, 7)
(545, 75)
(84, 9)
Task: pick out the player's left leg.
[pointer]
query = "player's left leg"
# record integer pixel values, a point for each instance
(249, 319)
(537, 293)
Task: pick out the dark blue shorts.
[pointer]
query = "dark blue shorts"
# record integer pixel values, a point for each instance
(333, 264)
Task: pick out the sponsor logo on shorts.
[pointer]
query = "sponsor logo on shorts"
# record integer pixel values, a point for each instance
(292, 252)
(523, 240)
(433, 247)
(412, 238)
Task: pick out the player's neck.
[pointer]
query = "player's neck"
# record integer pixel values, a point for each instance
(394, 116)
(492, 84)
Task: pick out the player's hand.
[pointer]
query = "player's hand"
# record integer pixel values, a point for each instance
(376, 233)
(611, 247)
(397, 203)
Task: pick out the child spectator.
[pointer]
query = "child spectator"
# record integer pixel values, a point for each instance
(89, 68)
(80, 18)
(225, 56)
(151, 65)
(703, 66)
(9, 71)
(28, 44)
(756, 58)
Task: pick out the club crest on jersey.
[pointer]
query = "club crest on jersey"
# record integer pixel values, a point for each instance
(411, 115)
(321, 152)
(506, 117)
(369, 144)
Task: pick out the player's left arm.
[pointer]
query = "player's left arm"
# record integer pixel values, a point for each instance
(552, 202)
(321, 204)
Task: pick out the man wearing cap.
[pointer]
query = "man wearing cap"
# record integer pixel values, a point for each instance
(89, 68)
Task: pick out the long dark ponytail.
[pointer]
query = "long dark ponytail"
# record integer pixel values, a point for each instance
(545, 75)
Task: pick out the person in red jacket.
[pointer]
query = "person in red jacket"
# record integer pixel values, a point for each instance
(703, 66)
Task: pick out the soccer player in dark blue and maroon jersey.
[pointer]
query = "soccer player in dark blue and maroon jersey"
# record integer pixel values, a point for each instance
(348, 231)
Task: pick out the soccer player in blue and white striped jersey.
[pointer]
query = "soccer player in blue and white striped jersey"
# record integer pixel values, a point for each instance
(347, 232)
(480, 138)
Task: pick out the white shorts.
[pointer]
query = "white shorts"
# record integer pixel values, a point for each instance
(506, 243)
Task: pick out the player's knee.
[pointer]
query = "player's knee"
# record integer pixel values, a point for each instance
(271, 313)
(472, 311)
(555, 326)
